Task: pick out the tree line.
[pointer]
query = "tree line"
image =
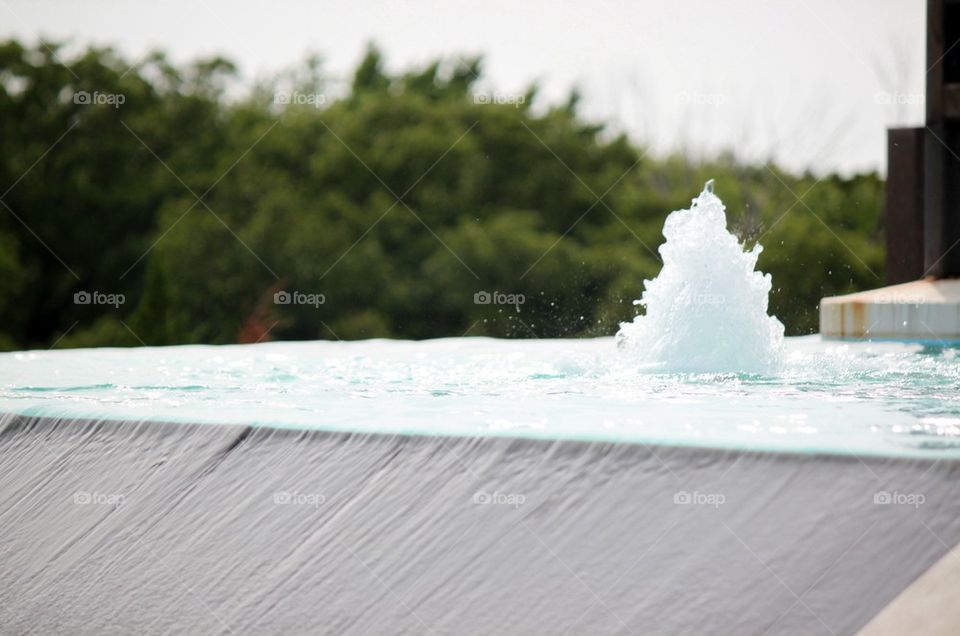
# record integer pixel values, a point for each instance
(146, 202)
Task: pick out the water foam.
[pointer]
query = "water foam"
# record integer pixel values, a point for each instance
(706, 311)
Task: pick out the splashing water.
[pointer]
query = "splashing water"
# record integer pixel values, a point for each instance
(707, 309)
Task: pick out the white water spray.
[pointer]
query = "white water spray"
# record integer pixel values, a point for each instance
(707, 309)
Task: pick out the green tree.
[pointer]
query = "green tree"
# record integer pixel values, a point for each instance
(397, 201)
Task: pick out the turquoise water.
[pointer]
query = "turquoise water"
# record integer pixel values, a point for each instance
(851, 398)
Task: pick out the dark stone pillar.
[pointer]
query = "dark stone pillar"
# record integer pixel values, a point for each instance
(904, 205)
(941, 164)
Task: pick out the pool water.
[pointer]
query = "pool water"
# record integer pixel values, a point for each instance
(850, 398)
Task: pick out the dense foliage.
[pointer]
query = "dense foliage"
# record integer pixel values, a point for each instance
(393, 203)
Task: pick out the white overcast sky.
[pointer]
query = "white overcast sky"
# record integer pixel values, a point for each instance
(804, 81)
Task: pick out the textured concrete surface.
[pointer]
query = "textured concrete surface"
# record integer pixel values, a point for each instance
(929, 606)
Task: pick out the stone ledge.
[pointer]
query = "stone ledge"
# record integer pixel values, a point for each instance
(925, 310)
